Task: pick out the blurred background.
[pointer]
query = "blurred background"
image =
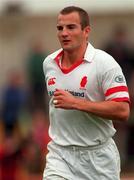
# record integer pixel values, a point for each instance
(27, 36)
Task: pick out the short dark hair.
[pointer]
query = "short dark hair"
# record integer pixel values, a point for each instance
(84, 17)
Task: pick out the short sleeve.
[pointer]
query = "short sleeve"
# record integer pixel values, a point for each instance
(114, 85)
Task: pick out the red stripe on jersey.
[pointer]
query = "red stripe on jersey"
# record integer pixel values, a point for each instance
(121, 99)
(116, 89)
(67, 70)
(72, 67)
(57, 58)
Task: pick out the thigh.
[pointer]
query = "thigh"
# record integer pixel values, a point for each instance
(103, 163)
(56, 166)
(107, 162)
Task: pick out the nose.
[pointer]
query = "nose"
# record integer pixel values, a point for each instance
(64, 32)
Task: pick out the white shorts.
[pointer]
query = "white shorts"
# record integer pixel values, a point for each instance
(82, 163)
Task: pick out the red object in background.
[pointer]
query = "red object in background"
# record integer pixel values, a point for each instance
(9, 155)
(8, 165)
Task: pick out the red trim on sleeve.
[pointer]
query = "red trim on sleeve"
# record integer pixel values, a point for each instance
(121, 99)
(116, 89)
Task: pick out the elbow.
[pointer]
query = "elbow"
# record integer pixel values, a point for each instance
(124, 116)
(124, 112)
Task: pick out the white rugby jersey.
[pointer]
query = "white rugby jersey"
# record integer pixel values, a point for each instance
(97, 77)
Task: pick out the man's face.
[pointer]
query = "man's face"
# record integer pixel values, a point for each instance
(69, 31)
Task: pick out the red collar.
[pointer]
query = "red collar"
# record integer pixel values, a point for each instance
(64, 70)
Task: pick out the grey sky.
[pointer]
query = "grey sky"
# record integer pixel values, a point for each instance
(52, 6)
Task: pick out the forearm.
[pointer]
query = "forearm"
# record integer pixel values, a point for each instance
(105, 109)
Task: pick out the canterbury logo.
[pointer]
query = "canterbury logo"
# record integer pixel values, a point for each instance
(83, 82)
(51, 81)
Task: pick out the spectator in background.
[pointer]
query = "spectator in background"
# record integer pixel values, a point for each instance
(35, 76)
(35, 145)
(130, 130)
(13, 101)
(10, 158)
(119, 48)
(39, 129)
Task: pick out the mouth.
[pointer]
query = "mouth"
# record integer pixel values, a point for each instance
(65, 41)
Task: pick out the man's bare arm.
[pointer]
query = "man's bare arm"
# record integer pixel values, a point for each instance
(105, 109)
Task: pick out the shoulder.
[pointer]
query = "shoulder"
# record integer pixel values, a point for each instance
(105, 61)
(52, 56)
(104, 57)
(100, 57)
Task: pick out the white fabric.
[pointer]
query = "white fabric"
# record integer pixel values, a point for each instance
(92, 80)
(77, 163)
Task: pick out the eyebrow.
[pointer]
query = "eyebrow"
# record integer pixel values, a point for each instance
(68, 25)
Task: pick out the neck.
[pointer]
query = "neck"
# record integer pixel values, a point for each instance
(72, 56)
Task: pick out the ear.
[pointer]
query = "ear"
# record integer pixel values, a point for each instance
(87, 31)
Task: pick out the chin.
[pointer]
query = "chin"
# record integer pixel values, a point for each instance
(67, 48)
